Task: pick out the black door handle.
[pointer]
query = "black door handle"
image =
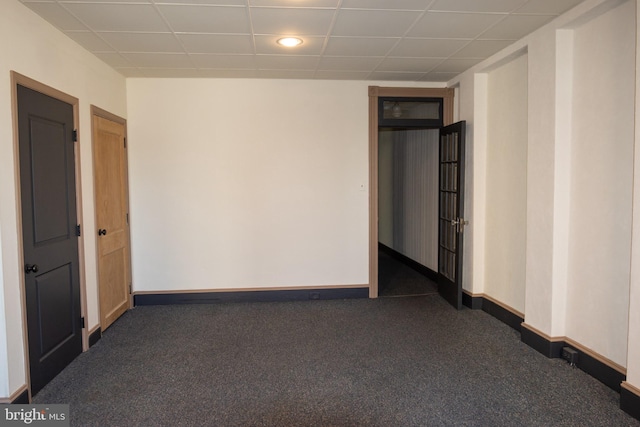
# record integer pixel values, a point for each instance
(31, 268)
(102, 232)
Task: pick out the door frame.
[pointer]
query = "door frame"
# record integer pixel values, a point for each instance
(375, 92)
(19, 79)
(99, 112)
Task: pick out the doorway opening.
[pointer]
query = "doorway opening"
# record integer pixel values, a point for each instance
(416, 181)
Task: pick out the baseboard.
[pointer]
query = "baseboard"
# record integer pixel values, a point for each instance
(599, 367)
(250, 296)
(630, 400)
(503, 313)
(471, 301)
(604, 370)
(19, 397)
(422, 269)
(550, 347)
(95, 336)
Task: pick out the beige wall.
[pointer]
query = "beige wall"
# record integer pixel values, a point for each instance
(580, 121)
(506, 183)
(33, 48)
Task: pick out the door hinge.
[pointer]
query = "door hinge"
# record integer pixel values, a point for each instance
(127, 218)
(75, 135)
(78, 230)
(130, 288)
(125, 142)
(82, 325)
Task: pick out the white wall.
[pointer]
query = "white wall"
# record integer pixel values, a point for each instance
(415, 195)
(601, 182)
(506, 183)
(248, 183)
(32, 47)
(581, 79)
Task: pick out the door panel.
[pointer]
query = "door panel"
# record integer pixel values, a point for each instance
(451, 211)
(111, 216)
(50, 244)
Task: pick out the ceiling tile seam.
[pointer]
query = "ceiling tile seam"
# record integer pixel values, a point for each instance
(175, 36)
(252, 32)
(62, 5)
(327, 36)
(392, 48)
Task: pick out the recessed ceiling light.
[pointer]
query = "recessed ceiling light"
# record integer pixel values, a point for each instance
(289, 41)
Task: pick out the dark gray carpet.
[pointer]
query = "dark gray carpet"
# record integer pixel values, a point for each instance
(385, 362)
(396, 279)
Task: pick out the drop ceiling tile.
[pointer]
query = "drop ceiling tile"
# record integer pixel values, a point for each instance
(453, 25)
(359, 46)
(374, 23)
(409, 64)
(438, 77)
(118, 17)
(165, 72)
(441, 48)
(206, 19)
(515, 27)
(344, 63)
(159, 60)
(399, 76)
(235, 62)
(385, 4)
(89, 41)
(267, 45)
(142, 42)
(204, 2)
(341, 75)
(294, 3)
(486, 6)
(552, 7)
(285, 74)
(456, 65)
(216, 43)
(229, 74)
(482, 48)
(103, 1)
(57, 16)
(114, 59)
(291, 21)
(281, 62)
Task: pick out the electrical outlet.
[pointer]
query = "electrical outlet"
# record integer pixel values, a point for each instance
(570, 355)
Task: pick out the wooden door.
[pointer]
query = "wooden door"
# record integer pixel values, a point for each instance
(112, 218)
(451, 213)
(49, 232)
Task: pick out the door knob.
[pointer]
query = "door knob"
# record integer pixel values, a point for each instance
(31, 268)
(102, 232)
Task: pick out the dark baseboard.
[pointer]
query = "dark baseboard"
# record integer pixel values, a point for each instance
(502, 314)
(22, 399)
(424, 270)
(630, 403)
(551, 349)
(250, 296)
(474, 303)
(95, 337)
(600, 371)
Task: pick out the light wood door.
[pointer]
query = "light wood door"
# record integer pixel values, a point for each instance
(111, 195)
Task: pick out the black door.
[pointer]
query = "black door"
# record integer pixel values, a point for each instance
(48, 189)
(451, 213)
